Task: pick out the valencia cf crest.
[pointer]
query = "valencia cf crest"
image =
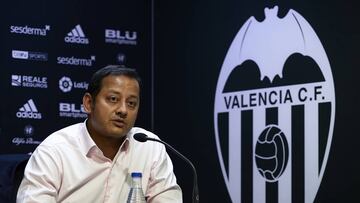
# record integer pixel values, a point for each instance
(274, 111)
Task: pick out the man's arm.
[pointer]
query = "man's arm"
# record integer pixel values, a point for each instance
(41, 177)
(162, 186)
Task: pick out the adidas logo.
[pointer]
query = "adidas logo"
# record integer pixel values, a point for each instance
(28, 110)
(76, 32)
(76, 36)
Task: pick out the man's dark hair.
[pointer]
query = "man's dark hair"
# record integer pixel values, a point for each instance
(96, 80)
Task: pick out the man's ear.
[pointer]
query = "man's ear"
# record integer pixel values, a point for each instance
(87, 102)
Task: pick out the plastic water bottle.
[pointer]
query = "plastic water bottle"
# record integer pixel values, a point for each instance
(136, 194)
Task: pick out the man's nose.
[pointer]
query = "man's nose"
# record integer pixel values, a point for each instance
(122, 110)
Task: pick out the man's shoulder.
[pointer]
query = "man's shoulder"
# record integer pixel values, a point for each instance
(64, 135)
(149, 145)
(135, 130)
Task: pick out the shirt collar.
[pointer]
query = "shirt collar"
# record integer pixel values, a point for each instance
(87, 144)
(125, 145)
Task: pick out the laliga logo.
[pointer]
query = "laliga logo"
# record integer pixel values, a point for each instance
(65, 84)
(274, 111)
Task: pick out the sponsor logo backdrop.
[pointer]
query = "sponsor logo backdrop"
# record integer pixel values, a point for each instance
(50, 50)
(48, 56)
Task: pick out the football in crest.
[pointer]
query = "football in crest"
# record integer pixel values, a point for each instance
(271, 153)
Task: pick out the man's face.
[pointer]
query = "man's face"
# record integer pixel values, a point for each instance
(115, 109)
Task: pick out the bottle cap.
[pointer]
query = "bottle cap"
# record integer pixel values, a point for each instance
(136, 174)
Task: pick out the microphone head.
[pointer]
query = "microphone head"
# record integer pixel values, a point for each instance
(141, 137)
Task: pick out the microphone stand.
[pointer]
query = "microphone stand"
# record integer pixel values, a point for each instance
(195, 195)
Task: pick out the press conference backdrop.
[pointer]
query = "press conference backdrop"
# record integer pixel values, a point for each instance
(261, 97)
(50, 50)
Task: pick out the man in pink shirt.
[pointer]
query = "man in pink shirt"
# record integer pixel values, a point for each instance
(92, 161)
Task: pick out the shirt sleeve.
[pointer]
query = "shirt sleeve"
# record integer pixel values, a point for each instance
(41, 179)
(162, 186)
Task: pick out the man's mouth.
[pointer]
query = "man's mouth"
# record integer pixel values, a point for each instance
(119, 123)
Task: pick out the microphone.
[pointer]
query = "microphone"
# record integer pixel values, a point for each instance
(141, 137)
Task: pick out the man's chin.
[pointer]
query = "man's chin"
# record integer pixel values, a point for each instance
(119, 133)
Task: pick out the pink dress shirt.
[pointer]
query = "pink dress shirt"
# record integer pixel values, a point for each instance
(68, 167)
